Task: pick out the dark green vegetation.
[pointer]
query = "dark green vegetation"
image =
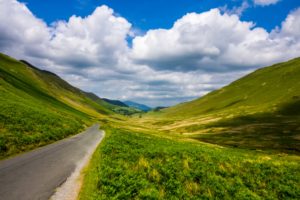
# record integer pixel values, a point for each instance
(258, 111)
(37, 107)
(132, 165)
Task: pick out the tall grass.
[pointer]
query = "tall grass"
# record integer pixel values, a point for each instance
(26, 124)
(133, 165)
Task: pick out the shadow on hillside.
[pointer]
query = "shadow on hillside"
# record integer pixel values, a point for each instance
(279, 131)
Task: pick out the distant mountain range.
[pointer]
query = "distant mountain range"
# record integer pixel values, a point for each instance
(115, 102)
(128, 104)
(138, 106)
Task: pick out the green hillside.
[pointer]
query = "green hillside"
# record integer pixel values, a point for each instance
(37, 107)
(53, 85)
(265, 90)
(258, 111)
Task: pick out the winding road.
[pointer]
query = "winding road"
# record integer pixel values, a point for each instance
(36, 175)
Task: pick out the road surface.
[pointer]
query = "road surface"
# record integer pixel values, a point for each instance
(36, 175)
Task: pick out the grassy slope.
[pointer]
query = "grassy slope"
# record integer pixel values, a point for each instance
(258, 111)
(37, 107)
(133, 164)
(58, 88)
(264, 90)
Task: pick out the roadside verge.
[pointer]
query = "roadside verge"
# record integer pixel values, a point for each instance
(70, 189)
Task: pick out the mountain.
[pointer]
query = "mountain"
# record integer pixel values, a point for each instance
(115, 102)
(38, 107)
(266, 89)
(114, 105)
(260, 111)
(137, 106)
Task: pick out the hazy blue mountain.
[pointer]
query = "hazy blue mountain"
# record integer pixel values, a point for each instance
(138, 106)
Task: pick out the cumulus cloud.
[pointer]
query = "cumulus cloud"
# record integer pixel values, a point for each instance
(212, 41)
(200, 53)
(96, 40)
(265, 2)
(21, 32)
(290, 28)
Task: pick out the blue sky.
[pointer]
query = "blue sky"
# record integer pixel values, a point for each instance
(177, 50)
(152, 14)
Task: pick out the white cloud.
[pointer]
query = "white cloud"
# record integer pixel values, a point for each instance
(212, 41)
(291, 26)
(21, 32)
(237, 10)
(96, 40)
(201, 52)
(265, 2)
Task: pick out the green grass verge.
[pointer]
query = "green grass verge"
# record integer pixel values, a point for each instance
(133, 165)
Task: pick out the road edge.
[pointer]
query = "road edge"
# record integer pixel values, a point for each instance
(70, 189)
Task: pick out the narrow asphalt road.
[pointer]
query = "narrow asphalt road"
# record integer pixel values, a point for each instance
(36, 175)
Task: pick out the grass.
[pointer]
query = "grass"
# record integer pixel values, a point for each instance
(259, 131)
(239, 142)
(264, 90)
(29, 120)
(37, 108)
(158, 155)
(133, 165)
(26, 124)
(258, 111)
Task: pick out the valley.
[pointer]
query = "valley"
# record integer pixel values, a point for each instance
(241, 141)
(150, 100)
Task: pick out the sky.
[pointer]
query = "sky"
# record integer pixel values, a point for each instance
(156, 52)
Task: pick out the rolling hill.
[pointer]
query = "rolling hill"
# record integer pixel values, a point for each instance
(259, 111)
(38, 107)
